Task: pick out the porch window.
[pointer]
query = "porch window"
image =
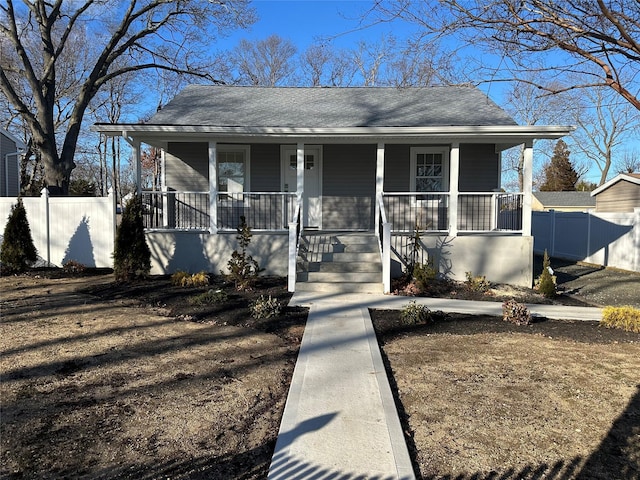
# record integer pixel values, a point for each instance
(429, 169)
(233, 169)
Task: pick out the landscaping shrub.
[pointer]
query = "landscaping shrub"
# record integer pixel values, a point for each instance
(624, 317)
(73, 267)
(424, 274)
(17, 252)
(184, 279)
(265, 307)
(515, 312)
(413, 314)
(477, 284)
(131, 257)
(243, 269)
(547, 281)
(210, 297)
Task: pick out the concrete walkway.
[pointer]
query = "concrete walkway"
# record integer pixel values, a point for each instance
(340, 420)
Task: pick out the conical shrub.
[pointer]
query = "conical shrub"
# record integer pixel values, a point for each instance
(18, 252)
(131, 257)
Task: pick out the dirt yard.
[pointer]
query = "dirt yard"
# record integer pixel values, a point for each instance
(483, 399)
(102, 381)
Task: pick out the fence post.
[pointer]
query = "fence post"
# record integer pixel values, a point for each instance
(44, 195)
(293, 253)
(386, 257)
(552, 229)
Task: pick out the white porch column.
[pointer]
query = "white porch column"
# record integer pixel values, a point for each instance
(379, 184)
(136, 158)
(300, 170)
(527, 187)
(213, 187)
(454, 177)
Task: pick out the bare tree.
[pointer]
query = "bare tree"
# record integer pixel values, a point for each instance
(267, 62)
(50, 82)
(598, 39)
(603, 126)
(629, 163)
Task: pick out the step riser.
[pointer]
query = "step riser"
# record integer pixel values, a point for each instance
(342, 267)
(349, 257)
(360, 277)
(339, 287)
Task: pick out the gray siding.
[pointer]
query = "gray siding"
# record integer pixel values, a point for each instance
(265, 167)
(397, 165)
(479, 168)
(9, 184)
(187, 166)
(348, 182)
(621, 197)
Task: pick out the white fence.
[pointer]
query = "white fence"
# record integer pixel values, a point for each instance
(607, 239)
(69, 228)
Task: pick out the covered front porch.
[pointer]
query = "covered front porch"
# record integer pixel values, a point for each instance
(444, 214)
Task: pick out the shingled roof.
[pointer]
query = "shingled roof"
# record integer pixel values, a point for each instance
(318, 107)
(566, 199)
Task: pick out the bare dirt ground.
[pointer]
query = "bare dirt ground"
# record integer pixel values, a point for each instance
(482, 399)
(103, 380)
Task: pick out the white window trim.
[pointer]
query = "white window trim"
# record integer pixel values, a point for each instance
(246, 149)
(444, 150)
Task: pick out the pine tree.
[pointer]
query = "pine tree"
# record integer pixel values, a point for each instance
(132, 257)
(560, 176)
(18, 251)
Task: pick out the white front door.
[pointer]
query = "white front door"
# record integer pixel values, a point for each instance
(311, 198)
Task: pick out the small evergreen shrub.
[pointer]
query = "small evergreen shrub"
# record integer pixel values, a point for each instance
(424, 274)
(17, 252)
(73, 267)
(184, 279)
(478, 283)
(243, 269)
(515, 312)
(413, 314)
(131, 257)
(210, 297)
(547, 281)
(624, 317)
(265, 307)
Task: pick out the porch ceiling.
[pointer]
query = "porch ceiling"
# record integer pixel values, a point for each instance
(503, 136)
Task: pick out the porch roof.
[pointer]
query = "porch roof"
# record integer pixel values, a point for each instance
(357, 114)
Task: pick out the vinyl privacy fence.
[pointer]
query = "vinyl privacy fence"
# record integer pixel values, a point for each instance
(69, 228)
(607, 239)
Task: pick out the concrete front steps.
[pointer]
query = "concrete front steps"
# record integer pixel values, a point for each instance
(339, 263)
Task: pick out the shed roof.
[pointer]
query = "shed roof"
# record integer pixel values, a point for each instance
(319, 107)
(565, 199)
(629, 177)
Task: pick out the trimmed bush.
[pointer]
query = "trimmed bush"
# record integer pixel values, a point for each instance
(265, 307)
(546, 280)
(516, 313)
(624, 317)
(424, 274)
(478, 283)
(210, 297)
(18, 252)
(132, 257)
(413, 314)
(184, 279)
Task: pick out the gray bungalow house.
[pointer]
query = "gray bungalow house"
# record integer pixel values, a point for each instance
(334, 182)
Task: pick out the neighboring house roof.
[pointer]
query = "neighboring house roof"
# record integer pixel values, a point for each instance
(331, 107)
(565, 199)
(629, 177)
(233, 113)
